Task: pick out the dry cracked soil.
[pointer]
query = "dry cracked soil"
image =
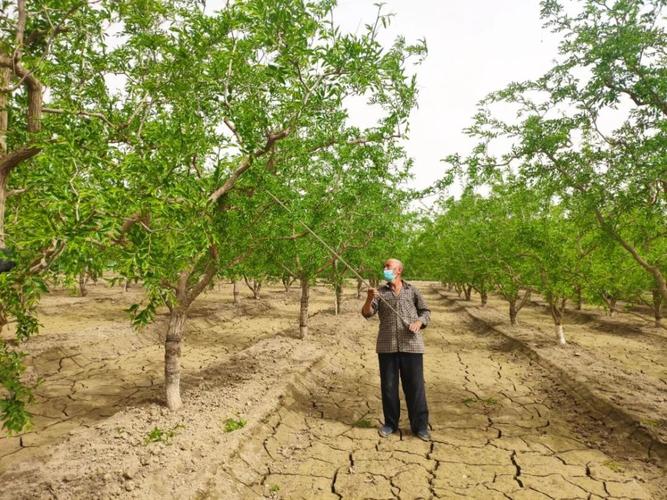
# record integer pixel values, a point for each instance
(503, 426)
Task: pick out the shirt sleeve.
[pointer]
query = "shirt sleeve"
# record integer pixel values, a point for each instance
(6, 265)
(374, 308)
(423, 311)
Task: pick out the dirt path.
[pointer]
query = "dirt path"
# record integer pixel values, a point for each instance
(502, 428)
(102, 391)
(621, 361)
(93, 364)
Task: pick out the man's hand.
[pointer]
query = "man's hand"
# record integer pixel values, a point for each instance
(367, 309)
(415, 326)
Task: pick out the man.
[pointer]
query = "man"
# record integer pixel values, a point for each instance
(400, 348)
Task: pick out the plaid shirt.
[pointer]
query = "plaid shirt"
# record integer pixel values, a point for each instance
(394, 335)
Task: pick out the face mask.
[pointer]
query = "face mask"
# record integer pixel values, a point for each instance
(389, 275)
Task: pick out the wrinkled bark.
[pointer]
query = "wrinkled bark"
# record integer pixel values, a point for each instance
(237, 293)
(255, 286)
(513, 311)
(516, 305)
(9, 160)
(610, 302)
(657, 307)
(172, 358)
(83, 280)
(3, 204)
(338, 291)
(559, 334)
(186, 293)
(287, 283)
(303, 312)
(557, 316)
(4, 123)
(483, 293)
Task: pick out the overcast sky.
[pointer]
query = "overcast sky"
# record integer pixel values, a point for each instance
(475, 46)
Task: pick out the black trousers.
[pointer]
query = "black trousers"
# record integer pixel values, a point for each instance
(410, 367)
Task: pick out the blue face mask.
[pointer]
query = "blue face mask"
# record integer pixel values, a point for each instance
(389, 274)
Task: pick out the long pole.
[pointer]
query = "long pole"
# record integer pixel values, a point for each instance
(326, 245)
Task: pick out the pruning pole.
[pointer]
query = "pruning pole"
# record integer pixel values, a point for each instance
(324, 243)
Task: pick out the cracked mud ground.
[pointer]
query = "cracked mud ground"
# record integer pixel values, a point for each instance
(501, 426)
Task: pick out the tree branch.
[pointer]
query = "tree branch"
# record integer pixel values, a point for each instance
(209, 272)
(246, 163)
(34, 88)
(11, 160)
(20, 29)
(91, 114)
(48, 255)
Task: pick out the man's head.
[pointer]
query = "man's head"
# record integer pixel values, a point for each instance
(393, 268)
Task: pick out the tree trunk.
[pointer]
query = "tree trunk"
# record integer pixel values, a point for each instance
(287, 283)
(559, 334)
(338, 288)
(558, 318)
(515, 308)
(254, 285)
(4, 123)
(4, 109)
(513, 312)
(653, 270)
(610, 302)
(485, 296)
(237, 293)
(360, 284)
(580, 301)
(3, 204)
(467, 290)
(83, 278)
(172, 358)
(657, 307)
(303, 312)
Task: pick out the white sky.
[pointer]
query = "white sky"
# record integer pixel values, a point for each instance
(475, 47)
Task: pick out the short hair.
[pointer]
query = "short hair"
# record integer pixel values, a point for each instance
(398, 262)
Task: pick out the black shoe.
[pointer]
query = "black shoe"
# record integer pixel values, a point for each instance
(385, 431)
(424, 435)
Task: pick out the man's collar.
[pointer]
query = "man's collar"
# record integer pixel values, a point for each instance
(405, 284)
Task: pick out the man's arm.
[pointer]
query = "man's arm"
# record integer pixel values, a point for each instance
(370, 307)
(422, 309)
